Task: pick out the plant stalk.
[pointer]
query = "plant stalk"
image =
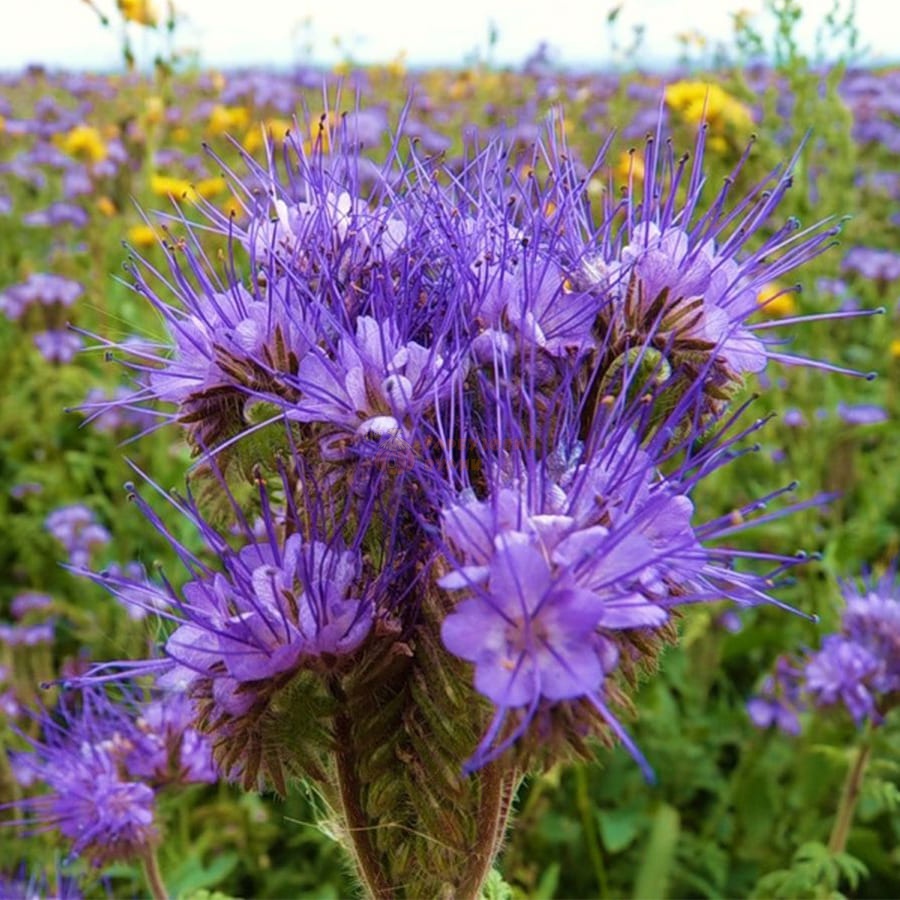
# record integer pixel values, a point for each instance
(154, 877)
(837, 842)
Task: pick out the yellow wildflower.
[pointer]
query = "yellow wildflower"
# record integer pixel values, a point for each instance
(143, 12)
(691, 98)
(166, 186)
(276, 129)
(142, 236)
(211, 187)
(154, 110)
(629, 164)
(232, 207)
(84, 142)
(227, 119)
(106, 207)
(895, 348)
(774, 305)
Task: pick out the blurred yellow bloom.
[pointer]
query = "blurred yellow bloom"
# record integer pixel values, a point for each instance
(227, 119)
(84, 142)
(780, 306)
(895, 348)
(154, 110)
(143, 12)
(166, 185)
(181, 188)
(690, 98)
(2, 124)
(105, 206)
(231, 207)
(629, 163)
(142, 236)
(181, 135)
(276, 129)
(211, 187)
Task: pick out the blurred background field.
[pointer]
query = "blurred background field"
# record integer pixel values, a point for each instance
(87, 157)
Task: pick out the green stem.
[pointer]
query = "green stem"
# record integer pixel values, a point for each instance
(153, 875)
(589, 826)
(850, 795)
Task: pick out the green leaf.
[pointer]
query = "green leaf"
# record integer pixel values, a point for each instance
(618, 828)
(193, 875)
(656, 865)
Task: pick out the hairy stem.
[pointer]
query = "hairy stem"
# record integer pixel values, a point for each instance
(498, 787)
(373, 878)
(850, 796)
(154, 877)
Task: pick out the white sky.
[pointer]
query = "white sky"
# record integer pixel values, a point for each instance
(277, 32)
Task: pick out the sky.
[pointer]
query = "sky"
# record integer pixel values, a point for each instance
(282, 33)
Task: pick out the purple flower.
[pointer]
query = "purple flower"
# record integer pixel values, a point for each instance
(167, 749)
(275, 608)
(56, 214)
(29, 601)
(875, 265)
(857, 668)
(536, 634)
(26, 635)
(93, 801)
(78, 531)
(839, 672)
(58, 346)
(862, 413)
(39, 290)
(279, 605)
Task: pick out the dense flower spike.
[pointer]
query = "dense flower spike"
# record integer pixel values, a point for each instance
(540, 370)
(857, 668)
(102, 781)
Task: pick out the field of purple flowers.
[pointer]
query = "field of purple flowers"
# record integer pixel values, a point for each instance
(470, 483)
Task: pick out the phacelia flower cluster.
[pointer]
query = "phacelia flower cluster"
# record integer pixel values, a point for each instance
(856, 668)
(102, 763)
(472, 407)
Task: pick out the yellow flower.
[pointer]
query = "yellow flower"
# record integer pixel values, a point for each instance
(84, 142)
(142, 236)
(143, 12)
(629, 163)
(105, 206)
(211, 187)
(895, 348)
(154, 110)
(276, 129)
(168, 186)
(231, 207)
(690, 98)
(773, 305)
(227, 119)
